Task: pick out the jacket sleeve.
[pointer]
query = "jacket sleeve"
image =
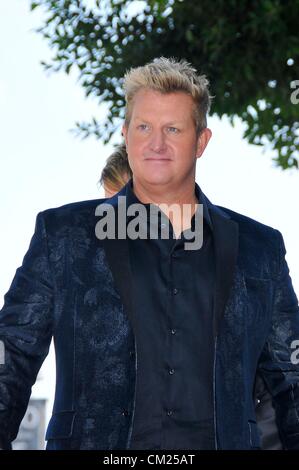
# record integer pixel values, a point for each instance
(25, 333)
(279, 364)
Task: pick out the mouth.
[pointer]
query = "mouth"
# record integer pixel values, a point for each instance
(155, 159)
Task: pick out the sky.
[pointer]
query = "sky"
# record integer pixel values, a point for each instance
(42, 164)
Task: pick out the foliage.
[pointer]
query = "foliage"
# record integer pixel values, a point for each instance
(249, 49)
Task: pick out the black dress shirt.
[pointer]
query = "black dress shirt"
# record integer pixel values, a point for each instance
(173, 326)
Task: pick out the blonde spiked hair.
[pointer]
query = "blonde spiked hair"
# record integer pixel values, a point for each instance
(168, 76)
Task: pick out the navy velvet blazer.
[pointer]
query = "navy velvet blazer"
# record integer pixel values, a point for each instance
(78, 289)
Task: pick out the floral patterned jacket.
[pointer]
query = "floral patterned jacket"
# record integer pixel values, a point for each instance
(78, 289)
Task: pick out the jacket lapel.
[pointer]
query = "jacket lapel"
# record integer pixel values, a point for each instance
(117, 254)
(226, 243)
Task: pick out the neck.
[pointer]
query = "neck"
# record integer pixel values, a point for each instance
(178, 205)
(165, 194)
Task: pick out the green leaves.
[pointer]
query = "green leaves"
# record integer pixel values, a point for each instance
(33, 5)
(243, 47)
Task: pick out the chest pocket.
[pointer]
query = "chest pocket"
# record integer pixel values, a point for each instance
(61, 425)
(254, 435)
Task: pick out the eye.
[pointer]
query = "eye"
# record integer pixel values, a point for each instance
(143, 127)
(173, 130)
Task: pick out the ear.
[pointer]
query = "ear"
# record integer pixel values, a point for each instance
(202, 141)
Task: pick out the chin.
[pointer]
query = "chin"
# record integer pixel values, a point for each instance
(155, 176)
(157, 179)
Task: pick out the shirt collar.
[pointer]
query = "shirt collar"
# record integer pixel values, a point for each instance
(132, 199)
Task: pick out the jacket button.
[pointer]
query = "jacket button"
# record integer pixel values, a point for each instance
(132, 353)
(125, 413)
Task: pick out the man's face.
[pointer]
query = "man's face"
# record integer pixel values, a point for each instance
(161, 138)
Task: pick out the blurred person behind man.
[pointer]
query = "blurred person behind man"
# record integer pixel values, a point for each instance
(116, 172)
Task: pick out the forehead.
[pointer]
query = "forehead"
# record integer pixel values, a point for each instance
(148, 103)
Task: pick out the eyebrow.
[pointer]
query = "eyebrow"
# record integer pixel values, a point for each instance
(139, 118)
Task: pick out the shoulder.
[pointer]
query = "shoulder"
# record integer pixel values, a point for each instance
(73, 208)
(246, 223)
(252, 231)
(68, 215)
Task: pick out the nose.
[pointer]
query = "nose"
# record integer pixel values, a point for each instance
(157, 142)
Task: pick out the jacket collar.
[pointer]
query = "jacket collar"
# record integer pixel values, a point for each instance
(226, 243)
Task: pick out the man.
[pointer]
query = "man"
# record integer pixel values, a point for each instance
(115, 174)
(157, 346)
